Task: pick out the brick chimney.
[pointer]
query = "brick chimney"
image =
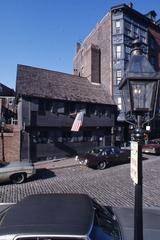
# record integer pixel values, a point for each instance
(78, 46)
(130, 4)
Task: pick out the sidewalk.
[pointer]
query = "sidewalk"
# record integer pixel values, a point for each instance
(55, 164)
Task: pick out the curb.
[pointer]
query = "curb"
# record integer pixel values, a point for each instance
(57, 164)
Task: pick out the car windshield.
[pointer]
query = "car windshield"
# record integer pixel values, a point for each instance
(96, 151)
(105, 225)
(99, 151)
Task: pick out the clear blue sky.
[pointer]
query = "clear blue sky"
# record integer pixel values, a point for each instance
(43, 33)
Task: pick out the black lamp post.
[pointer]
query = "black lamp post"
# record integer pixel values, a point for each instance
(2, 138)
(139, 87)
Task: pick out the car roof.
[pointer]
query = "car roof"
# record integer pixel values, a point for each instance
(58, 214)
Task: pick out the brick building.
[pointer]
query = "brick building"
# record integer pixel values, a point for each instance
(103, 57)
(10, 129)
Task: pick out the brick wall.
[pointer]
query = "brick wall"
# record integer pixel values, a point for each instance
(11, 146)
(100, 37)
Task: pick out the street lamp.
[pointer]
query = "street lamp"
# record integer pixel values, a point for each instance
(139, 87)
(2, 125)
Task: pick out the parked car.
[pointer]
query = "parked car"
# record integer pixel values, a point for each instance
(72, 217)
(153, 147)
(103, 157)
(16, 172)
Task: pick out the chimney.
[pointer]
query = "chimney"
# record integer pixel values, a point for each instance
(78, 46)
(130, 4)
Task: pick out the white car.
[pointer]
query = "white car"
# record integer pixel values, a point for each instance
(16, 172)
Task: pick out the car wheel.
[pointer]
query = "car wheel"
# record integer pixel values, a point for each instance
(18, 178)
(102, 165)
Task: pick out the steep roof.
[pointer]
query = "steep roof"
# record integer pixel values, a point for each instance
(37, 82)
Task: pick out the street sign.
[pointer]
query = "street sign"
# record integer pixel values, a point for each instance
(134, 162)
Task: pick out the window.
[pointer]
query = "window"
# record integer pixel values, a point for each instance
(119, 103)
(128, 50)
(53, 107)
(93, 110)
(41, 137)
(152, 44)
(136, 32)
(143, 36)
(118, 51)
(66, 108)
(87, 136)
(41, 107)
(66, 136)
(128, 29)
(127, 53)
(118, 76)
(102, 111)
(60, 107)
(118, 26)
(153, 61)
(72, 107)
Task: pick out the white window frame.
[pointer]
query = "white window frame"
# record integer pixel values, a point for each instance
(118, 51)
(118, 76)
(118, 26)
(119, 103)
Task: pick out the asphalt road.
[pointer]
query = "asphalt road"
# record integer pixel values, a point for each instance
(112, 186)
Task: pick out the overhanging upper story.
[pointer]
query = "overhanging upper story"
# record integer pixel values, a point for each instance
(52, 99)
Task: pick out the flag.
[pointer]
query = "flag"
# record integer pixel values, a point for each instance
(77, 122)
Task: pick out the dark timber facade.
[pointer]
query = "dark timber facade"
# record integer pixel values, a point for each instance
(104, 55)
(49, 103)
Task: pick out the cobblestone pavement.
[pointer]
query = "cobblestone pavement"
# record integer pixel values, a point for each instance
(111, 186)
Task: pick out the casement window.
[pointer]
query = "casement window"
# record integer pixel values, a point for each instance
(153, 61)
(127, 53)
(72, 107)
(136, 31)
(66, 136)
(60, 107)
(118, 26)
(143, 36)
(118, 51)
(41, 107)
(118, 76)
(119, 103)
(87, 135)
(128, 29)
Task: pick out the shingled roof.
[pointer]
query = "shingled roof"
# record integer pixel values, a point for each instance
(37, 82)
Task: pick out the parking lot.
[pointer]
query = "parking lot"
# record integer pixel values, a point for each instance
(112, 186)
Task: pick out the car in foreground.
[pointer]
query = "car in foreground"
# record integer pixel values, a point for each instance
(16, 172)
(103, 157)
(152, 147)
(72, 217)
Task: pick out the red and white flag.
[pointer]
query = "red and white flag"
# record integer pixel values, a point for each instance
(77, 122)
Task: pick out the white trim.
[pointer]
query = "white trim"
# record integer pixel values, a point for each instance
(50, 235)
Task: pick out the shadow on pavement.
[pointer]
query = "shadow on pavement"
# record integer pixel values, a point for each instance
(41, 173)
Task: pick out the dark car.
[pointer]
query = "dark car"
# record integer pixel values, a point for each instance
(153, 147)
(71, 217)
(103, 157)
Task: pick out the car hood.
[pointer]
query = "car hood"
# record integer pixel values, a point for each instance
(151, 223)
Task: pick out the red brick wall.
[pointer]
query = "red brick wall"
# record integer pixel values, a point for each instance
(11, 146)
(100, 37)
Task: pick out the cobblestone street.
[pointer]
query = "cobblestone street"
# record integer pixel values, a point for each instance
(112, 186)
